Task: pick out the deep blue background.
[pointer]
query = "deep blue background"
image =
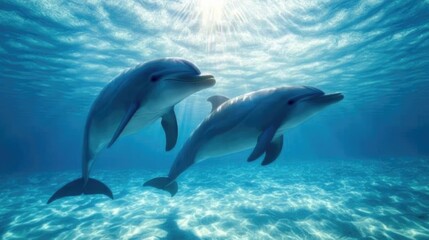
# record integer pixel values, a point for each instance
(56, 144)
(56, 57)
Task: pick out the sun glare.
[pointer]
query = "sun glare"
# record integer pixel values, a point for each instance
(211, 12)
(211, 21)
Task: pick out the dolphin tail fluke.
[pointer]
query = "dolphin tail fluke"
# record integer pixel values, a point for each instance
(163, 183)
(78, 187)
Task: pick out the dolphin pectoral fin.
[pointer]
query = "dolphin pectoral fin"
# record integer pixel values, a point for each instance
(264, 141)
(78, 187)
(273, 150)
(127, 117)
(163, 183)
(169, 124)
(216, 101)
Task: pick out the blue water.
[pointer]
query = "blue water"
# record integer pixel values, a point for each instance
(359, 169)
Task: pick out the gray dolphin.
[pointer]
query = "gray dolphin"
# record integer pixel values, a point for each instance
(131, 101)
(257, 119)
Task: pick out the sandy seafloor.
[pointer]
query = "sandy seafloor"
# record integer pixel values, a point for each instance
(353, 199)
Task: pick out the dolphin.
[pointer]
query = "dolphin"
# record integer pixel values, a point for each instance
(255, 120)
(132, 100)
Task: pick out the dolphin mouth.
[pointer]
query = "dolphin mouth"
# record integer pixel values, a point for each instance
(325, 99)
(208, 80)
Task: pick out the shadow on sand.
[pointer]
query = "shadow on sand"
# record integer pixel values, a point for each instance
(173, 230)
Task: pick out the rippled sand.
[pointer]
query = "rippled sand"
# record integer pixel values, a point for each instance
(370, 199)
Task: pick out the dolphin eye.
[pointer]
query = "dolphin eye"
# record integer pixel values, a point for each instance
(155, 78)
(291, 102)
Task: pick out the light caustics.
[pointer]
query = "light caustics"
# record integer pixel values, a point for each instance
(246, 43)
(326, 200)
(212, 22)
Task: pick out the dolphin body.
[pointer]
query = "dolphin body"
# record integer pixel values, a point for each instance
(131, 101)
(255, 120)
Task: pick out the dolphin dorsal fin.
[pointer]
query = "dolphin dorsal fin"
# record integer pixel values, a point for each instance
(216, 101)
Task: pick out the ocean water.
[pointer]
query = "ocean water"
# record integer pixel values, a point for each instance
(357, 170)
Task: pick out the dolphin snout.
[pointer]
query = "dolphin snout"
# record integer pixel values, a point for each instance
(315, 91)
(308, 95)
(196, 79)
(327, 99)
(333, 97)
(206, 80)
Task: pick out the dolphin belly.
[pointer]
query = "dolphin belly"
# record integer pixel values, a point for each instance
(103, 128)
(141, 119)
(235, 140)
